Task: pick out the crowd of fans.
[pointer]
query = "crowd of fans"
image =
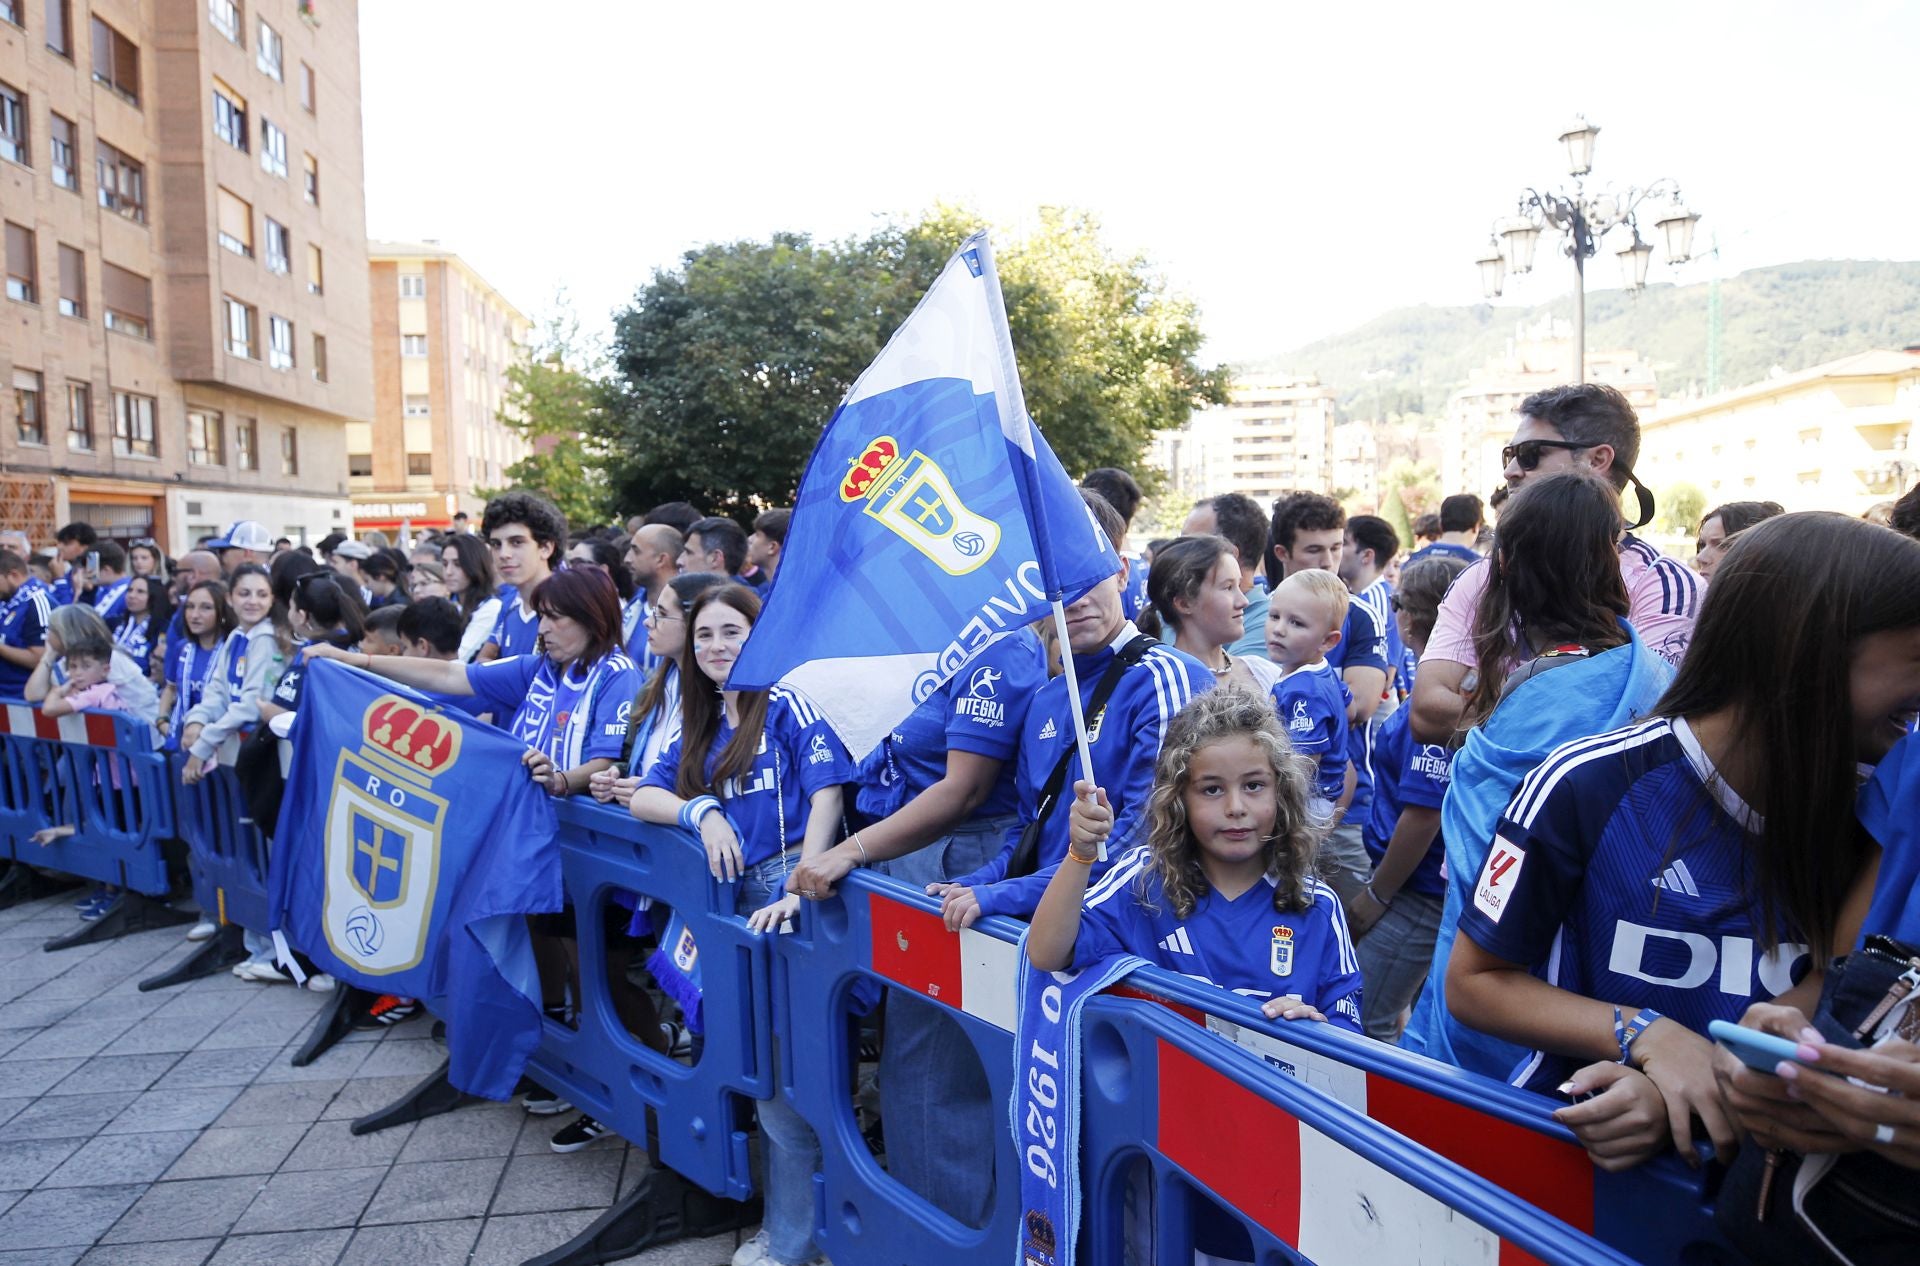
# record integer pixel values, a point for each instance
(1525, 795)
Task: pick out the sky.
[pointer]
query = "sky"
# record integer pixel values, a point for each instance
(1294, 168)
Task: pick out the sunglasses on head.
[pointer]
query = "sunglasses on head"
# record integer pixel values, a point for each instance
(1527, 453)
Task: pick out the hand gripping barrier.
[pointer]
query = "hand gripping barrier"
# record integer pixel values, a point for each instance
(97, 772)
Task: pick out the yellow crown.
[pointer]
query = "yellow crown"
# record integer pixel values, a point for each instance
(412, 736)
(870, 466)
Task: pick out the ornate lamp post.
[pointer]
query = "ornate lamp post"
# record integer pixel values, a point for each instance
(1584, 217)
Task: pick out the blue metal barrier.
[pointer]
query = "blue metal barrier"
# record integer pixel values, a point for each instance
(97, 772)
(225, 848)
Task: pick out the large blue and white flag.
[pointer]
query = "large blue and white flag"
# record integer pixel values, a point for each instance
(932, 519)
(405, 863)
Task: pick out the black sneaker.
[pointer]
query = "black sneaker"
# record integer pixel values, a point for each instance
(579, 1132)
(541, 1102)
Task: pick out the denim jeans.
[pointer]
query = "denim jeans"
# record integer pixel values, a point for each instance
(792, 1149)
(938, 1109)
(1394, 958)
(1344, 863)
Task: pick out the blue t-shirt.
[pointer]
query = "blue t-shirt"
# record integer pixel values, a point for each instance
(1620, 872)
(1253, 638)
(110, 601)
(1133, 598)
(187, 674)
(799, 756)
(61, 592)
(979, 709)
(1363, 644)
(176, 644)
(1244, 945)
(23, 624)
(1442, 549)
(1377, 598)
(1407, 773)
(573, 716)
(1312, 703)
(1890, 812)
(132, 638)
(516, 630)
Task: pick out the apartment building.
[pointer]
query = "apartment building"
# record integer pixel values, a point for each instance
(185, 324)
(1270, 437)
(443, 340)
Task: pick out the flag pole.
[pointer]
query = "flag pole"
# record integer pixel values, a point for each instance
(1073, 697)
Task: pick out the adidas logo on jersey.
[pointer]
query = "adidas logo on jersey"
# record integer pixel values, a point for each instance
(1677, 878)
(1178, 942)
(1048, 731)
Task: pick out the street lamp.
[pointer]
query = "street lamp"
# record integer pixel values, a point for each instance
(1584, 218)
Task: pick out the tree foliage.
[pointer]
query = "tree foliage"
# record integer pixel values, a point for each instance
(556, 400)
(727, 368)
(1681, 506)
(1408, 490)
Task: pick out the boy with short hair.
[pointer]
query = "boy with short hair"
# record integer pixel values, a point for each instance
(1303, 624)
(528, 537)
(382, 634)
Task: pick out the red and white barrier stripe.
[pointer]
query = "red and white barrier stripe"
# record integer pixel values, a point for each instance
(970, 972)
(85, 728)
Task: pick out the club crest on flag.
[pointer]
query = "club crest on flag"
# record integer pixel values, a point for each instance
(383, 836)
(915, 501)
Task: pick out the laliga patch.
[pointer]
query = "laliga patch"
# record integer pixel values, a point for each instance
(1280, 956)
(1498, 878)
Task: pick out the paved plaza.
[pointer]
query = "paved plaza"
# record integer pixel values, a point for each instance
(170, 1129)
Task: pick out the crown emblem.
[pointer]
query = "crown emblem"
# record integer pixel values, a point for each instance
(1283, 934)
(867, 469)
(417, 738)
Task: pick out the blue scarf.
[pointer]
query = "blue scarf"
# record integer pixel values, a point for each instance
(1046, 1103)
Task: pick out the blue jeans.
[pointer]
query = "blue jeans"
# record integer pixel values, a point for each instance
(1395, 956)
(792, 1149)
(940, 1115)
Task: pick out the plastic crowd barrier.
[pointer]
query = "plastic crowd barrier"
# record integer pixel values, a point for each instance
(226, 851)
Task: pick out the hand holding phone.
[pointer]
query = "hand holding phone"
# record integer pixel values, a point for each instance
(93, 563)
(1759, 1051)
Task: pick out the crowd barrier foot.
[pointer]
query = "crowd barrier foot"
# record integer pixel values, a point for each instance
(209, 958)
(339, 1017)
(430, 1098)
(130, 912)
(21, 883)
(663, 1208)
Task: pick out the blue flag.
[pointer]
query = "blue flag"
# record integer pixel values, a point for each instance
(932, 519)
(409, 849)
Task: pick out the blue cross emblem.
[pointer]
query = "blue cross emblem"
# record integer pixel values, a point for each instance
(378, 852)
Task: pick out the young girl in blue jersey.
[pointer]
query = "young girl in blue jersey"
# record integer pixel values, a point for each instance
(756, 774)
(143, 620)
(1224, 889)
(246, 672)
(1645, 882)
(206, 619)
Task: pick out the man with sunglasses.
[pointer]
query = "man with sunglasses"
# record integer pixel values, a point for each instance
(1582, 426)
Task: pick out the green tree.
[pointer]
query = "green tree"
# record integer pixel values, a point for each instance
(1408, 490)
(556, 400)
(727, 368)
(1681, 506)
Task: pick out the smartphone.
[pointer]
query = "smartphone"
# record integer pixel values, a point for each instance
(93, 561)
(1759, 1051)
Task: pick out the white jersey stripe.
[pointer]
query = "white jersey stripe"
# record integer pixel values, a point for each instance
(1131, 863)
(1537, 785)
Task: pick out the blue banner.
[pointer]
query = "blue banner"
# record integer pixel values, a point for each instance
(405, 862)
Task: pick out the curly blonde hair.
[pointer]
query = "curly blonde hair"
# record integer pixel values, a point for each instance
(1291, 850)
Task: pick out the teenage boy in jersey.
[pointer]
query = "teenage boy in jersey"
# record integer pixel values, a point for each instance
(1461, 518)
(1124, 741)
(110, 582)
(25, 608)
(767, 541)
(716, 545)
(1123, 494)
(70, 544)
(528, 538)
(1365, 554)
(1588, 426)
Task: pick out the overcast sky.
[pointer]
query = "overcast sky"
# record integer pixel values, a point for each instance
(1295, 168)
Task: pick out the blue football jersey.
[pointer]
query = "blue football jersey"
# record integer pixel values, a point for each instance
(1363, 641)
(23, 624)
(1312, 703)
(131, 637)
(1622, 870)
(574, 716)
(110, 601)
(1407, 773)
(1244, 945)
(517, 629)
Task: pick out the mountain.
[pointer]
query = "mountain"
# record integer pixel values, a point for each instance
(1789, 315)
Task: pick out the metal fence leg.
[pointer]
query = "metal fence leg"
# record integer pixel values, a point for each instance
(430, 1098)
(209, 958)
(338, 1018)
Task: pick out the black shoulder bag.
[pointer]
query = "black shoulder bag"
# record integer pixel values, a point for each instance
(1026, 852)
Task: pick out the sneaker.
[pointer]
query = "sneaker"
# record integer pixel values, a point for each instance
(98, 906)
(544, 1103)
(320, 982)
(261, 971)
(202, 931)
(754, 1251)
(391, 1009)
(93, 894)
(679, 1040)
(578, 1133)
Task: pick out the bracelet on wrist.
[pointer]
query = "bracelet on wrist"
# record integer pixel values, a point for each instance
(1383, 904)
(862, 847)
(1626, 1033)
(1085, 859)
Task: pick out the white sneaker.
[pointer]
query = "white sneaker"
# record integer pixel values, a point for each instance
(262, 972)
(202, 931)
(320, 982)
(754, 1251)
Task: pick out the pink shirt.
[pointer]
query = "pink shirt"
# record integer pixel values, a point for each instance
(1663, 601)
(102, 697)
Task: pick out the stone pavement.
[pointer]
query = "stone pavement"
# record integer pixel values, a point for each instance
(169, 1129)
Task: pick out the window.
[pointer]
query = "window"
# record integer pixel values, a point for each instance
(246, 451)
(26, 406)
(123, 182)
(360, 465)
(60, 27)
(316, 272)
(129, 300)
(420, 464)
(73, 282)
(23, 277)
(417, 407)
(241, 321)
(310, 166)
(413, 286)
(236, 223)
(229, 116)
(269, 51)
(279, 247)
(10, 12)
(289, 452)
(133, 433)
(319, 358)
(279, 343)
(206, 445)
(63, 137)
(410, 344)
(225, 16)
(79, 417)
(273, 149)
(306, 88)
(13, 124)
(116, 62)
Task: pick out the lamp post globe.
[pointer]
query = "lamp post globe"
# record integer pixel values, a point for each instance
(1634, 259)
(1578, 137)
(1519, 235)
(1493, 271)
(1676, 223)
